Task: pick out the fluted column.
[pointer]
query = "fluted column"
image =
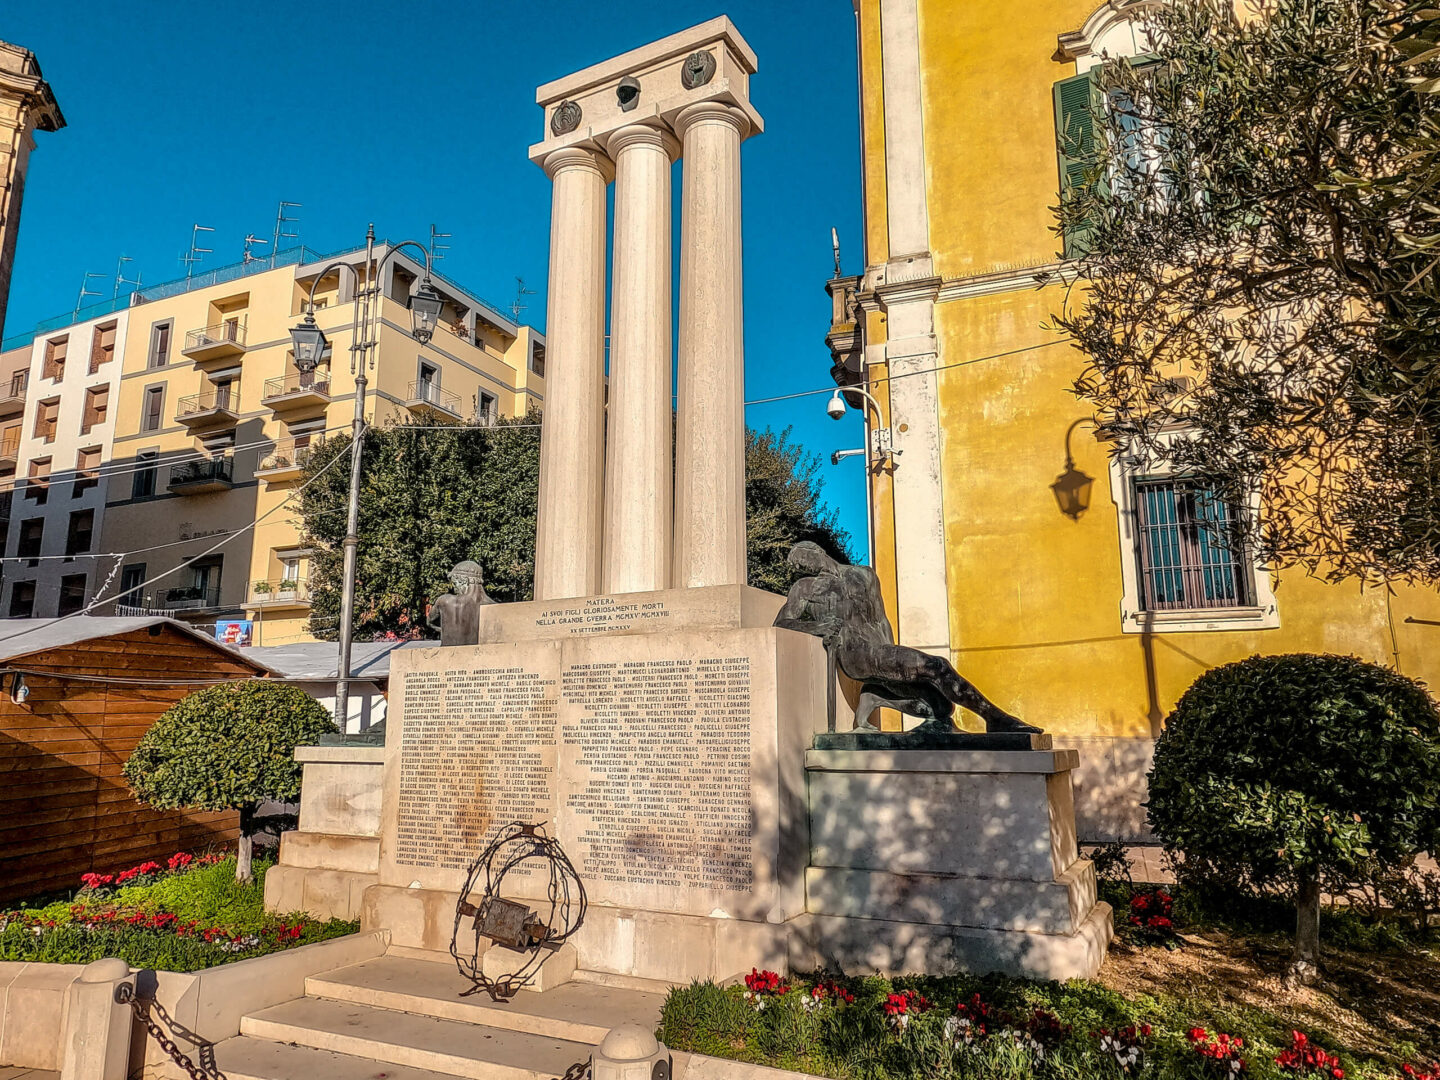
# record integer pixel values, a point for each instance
(638, 484)
(710, 451)
(570, 518)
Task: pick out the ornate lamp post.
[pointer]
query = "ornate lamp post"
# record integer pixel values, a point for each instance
(309, 341)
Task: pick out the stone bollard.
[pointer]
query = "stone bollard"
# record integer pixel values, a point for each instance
(630, 1052)
(96, 1044)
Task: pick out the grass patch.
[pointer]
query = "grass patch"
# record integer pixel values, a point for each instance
(186, 920)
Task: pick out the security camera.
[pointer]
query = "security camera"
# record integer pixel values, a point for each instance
(835, 406)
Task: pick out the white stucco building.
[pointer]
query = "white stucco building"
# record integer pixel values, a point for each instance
(65, 436)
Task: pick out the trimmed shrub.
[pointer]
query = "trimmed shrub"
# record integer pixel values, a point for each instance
(1275, 771)
(228, 747)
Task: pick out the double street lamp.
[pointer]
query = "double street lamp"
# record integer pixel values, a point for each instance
(310, 344)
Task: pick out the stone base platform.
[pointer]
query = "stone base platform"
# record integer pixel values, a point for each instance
(935, 860)
(923, 739)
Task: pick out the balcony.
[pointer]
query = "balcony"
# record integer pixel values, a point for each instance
(220, 342)
(187, 598)
(275, 595)
(427, 399)
(10, 448)
(297, 391)
(199, 477)
(286, 461)
(12, 400)
(215, 408)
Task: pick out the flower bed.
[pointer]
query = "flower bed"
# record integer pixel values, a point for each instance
(880, 1029)
(185, 915)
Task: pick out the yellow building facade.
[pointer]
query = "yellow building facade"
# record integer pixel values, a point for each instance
(1085, 609)
(213, 422)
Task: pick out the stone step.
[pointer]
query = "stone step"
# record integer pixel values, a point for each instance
(576, 1012)
(448, 1047)
(244, 1058)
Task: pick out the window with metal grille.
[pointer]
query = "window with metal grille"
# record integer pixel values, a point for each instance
(1188, 554)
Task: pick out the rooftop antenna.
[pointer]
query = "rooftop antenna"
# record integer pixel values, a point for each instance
(85, 291)
(196, 252)
(280, 222)
(249, 256)
(437, 248)
(520, 293)
(121, 280)
(835, 245)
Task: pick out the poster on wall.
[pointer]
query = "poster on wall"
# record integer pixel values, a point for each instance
(234, 632)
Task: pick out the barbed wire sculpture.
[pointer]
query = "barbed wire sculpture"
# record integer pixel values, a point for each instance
(506, 922)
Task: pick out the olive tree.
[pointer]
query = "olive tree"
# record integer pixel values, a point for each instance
(1256, 252)
(228, 747)
(1279, 772)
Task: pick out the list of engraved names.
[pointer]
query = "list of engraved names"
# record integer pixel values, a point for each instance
(664, 753)
(477, 751)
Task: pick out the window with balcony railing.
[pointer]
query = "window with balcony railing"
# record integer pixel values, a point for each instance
(10, 442)
(229, 332)
(299, 382)
(426, 392)
(205, 470)
(288, 453)
(223, 398)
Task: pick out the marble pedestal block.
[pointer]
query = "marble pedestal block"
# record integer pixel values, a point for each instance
(326, 864)
(942, 861)
(670, 766)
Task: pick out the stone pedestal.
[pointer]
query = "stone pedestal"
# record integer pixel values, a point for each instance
(326, 864)
(936, 861)
(669, 764)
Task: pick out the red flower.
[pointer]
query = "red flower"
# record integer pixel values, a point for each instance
(1309, 1060)
(765, 982)
(179, 861)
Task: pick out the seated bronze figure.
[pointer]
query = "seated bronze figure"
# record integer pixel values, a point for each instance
(843, 607)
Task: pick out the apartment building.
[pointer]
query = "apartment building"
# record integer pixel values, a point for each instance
(14, 384)
(214, 420)
(54, 443)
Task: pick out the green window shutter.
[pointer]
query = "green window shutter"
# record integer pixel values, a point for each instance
(1076, 129)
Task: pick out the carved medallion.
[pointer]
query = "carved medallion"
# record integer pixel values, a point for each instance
(565, 118)
(699, 69)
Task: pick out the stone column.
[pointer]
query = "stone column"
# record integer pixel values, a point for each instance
(638, 484)
(572, 449)
(710, 455)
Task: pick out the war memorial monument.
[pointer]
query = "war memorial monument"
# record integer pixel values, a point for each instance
(712, 775)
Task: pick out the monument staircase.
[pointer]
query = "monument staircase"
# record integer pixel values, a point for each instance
(401, 1016)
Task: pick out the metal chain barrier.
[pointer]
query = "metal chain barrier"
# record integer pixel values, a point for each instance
(125, 995)
(579, 1071)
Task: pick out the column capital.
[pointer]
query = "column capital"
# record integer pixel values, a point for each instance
(642, 135)
(578, 157)
(711, 112)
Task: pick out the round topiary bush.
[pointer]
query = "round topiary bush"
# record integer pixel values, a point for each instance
(1276, 770)
(228, 747)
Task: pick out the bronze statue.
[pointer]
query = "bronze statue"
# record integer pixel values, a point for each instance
(457, 614)
(843, 607)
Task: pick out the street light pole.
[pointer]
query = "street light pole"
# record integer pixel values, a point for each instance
(425, 305)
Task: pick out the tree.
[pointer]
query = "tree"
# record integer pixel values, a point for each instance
(228, 747)
(1259, 268)
(432, 498)
(1289, 771)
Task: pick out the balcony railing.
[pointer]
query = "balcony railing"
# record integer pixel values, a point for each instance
(287, 592)
(206, 474)
(186, 597)
(287, 459)
(299, 388)
(12, 398)
(428, 395)
(221, 404)
(215, 342)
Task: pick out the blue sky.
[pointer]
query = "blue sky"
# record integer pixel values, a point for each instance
(418, 113)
